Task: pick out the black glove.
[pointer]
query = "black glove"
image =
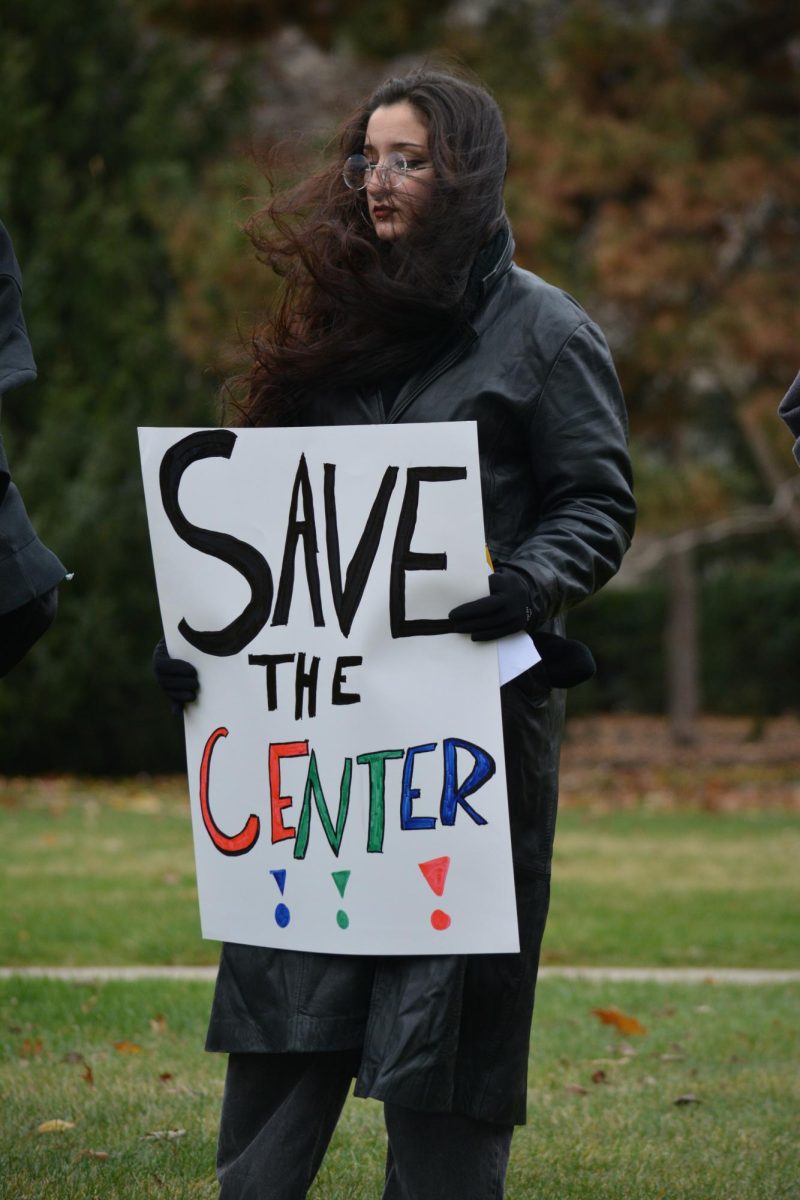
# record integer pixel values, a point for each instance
(507, 609)
(177, 677)
(565, 661)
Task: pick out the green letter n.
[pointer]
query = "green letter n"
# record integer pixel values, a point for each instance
(313, 786)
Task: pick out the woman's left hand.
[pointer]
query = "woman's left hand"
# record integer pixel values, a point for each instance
(505, 610)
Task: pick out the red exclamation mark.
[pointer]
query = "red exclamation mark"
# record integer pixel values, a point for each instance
(435, 872)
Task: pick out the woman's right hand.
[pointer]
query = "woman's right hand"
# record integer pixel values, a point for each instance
(177, 677)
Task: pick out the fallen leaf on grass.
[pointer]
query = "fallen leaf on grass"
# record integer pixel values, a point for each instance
(30, 1047)
(128, 1047)
(169, 1135)
(55, 1125)
(181, 1089)
(176, 1089)
(687, 1098)
(612, 1016)
(99, 1154)
(74, 1056)
(576, 1088)
(158, 1023)
(598, 1077)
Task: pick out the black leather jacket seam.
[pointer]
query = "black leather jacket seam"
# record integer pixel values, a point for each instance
(554, 366)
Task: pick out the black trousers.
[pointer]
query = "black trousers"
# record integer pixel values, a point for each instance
(279, 1112)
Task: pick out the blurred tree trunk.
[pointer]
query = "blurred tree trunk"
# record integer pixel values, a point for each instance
(751, 419)
(682, 647)
(683, 650)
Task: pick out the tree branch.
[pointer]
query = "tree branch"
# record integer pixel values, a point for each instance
(645, 556)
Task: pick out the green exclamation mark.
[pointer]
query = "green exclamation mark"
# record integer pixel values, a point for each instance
(340, 878)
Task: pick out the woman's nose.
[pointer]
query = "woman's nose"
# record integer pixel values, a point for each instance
(379, 179)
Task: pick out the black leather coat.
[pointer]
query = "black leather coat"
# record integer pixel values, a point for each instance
(451, 1033)
(29, 572)
(790, 411)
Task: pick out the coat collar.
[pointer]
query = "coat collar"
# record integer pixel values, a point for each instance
(492, 262)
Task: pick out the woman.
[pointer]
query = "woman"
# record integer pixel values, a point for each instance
(402, 304)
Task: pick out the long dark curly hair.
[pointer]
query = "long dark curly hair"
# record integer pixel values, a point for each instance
(354, 309)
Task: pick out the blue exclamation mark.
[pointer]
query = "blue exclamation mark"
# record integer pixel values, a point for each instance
(282, 914)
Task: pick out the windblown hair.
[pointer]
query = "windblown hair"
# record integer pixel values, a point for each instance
(353, 308)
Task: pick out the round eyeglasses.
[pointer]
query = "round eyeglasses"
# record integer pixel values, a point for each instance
(358, 170)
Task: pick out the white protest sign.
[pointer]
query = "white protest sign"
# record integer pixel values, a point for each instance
(345, 753)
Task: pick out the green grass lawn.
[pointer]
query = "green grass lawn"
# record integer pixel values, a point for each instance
(603, 1122)
(103, 873)
(677, 888)
(98, 872)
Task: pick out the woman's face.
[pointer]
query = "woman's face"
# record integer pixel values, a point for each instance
(396, 200)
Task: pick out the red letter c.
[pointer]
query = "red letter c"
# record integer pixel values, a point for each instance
(242, 842)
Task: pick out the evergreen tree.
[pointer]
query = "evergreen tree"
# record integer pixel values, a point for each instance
(105, 130)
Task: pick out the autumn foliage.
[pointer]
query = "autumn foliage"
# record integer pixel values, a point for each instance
(655, 174)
